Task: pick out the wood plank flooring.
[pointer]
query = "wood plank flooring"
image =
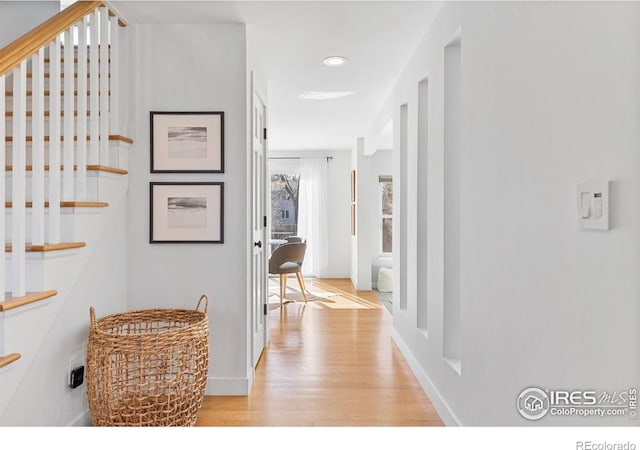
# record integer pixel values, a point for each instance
(329, 363)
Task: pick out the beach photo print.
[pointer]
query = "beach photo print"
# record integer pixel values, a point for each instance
(187, 142)
(186, 212)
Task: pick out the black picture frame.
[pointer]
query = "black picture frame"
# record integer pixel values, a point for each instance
(187, 141)
(186, 212)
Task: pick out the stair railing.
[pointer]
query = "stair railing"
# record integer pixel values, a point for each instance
(69, 145)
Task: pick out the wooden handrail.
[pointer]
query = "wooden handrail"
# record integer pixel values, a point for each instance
(27, 45)
(6, 360)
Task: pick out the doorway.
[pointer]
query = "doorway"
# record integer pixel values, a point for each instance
(383, 248)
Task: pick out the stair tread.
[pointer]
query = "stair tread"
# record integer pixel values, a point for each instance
(11, 302)
(66, 204)
(90, 168)
(48, 247)
(112, 137)
(11, 357)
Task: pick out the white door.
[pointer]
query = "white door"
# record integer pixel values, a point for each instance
(259, 220)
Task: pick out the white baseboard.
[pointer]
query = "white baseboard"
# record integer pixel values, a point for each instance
(251, 378)
(227, 386)
(336, 275)
(446, 414)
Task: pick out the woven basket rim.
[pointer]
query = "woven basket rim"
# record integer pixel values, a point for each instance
(204, 318)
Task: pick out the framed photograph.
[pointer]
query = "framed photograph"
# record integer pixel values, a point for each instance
(353, 219)
(187, 142)
(186, 213)
(353, 185)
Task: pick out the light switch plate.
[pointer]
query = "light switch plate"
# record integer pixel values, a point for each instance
(593, 205)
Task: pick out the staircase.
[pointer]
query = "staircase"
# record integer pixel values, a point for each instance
(65, 180)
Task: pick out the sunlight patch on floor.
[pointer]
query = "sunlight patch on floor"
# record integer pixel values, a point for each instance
(318, 296)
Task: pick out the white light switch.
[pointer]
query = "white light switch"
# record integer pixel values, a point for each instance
(593, 205)
(584, 205)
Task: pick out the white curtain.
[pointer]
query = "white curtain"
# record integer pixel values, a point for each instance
(312, 215)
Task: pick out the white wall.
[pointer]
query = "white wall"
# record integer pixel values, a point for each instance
(366, 260)
(365, 210)
(52, 335)
(338, 204)
(339, 220)
(194, 68)
(354, 239)
(19, 17)
(255, 86)
(550, 94)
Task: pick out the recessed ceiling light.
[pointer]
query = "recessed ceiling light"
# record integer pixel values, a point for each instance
(323, 95)
(334, 61)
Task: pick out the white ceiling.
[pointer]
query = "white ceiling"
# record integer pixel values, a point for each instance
(293, 37)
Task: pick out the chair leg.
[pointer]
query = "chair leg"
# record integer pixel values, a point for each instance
(285, 276)
(281, 290)
(302, 287)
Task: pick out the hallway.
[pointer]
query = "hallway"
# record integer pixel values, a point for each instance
(329, 363)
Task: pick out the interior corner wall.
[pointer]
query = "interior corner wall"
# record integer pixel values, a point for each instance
(194, 68)
(354, 238)
(19, 17)
(338, 200)
(361, 242)
(549, 99)
(255, 64)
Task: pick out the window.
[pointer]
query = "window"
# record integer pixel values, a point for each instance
(285, 190)
(386, 215)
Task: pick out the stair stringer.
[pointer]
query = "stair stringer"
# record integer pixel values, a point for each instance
(26, 329)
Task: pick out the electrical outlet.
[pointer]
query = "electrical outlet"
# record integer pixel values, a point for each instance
(76, 377)
(75, 362)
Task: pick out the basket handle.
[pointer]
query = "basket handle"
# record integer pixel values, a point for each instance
(206, 304)
(92, 315)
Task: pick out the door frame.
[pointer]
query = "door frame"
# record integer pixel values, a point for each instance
(254, 91)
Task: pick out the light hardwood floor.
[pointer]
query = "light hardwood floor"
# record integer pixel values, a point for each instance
(329, 363)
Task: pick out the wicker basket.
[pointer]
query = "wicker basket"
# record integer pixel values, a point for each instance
(148, 367)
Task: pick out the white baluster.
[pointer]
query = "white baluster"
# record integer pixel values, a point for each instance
(114, 110)
(94, 87)
(104, 87)
(54, 142)
(69, 110)
(2, 180)
(18, 257)
(81, 149)
(37, 148)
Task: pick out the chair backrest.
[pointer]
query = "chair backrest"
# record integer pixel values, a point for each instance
(294, 239)
(292, 252)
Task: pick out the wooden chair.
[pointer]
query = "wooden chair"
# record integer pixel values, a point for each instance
(286, 259)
